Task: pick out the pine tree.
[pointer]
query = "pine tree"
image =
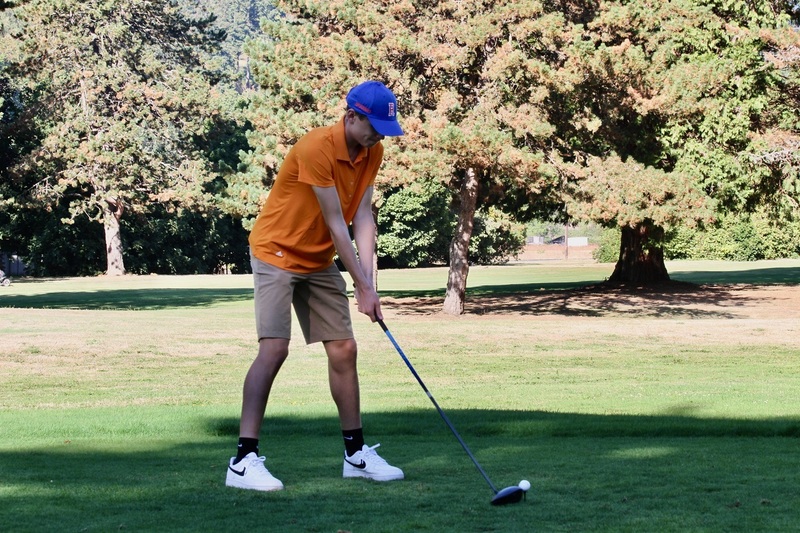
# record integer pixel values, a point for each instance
(671, 107)
(468, 83)
(240, 20)
(123, 92)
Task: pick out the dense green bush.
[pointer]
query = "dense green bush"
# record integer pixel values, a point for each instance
(50, 248)
(736, 237)
(681, 243)
(607, 250)
(496, 238)
(185, 243)
(777, 239)
(155, 243)
(416, 224)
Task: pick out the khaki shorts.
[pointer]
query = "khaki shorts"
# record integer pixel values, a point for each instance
(319, 299)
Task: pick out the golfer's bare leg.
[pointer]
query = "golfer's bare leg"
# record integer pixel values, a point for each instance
(343, 378)
(250, 472)
(258, 383)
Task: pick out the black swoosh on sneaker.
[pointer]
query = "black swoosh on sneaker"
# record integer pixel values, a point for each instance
(238, 472)
(361, 466)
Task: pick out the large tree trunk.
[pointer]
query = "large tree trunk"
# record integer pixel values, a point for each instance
(459, 246)
(112, 212)
(641, 255)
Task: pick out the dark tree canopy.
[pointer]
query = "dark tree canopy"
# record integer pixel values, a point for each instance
(117, 94)
(642, 115)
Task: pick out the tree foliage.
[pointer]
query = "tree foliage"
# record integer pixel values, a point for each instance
(122, 93)
(240, 20)
(415, 224)
(467, 80)
(645, 116)
(687, 90)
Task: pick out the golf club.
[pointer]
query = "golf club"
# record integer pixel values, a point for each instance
(511, 494)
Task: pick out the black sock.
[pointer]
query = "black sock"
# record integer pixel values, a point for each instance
(246, 446)
(353, 440)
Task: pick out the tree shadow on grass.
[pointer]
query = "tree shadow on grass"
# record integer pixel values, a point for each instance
(128, 299)
(593, 472)
(676, 299)
(673, 299)
(676, 421)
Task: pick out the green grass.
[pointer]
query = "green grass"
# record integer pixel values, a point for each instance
(119, 403)
(750, 272)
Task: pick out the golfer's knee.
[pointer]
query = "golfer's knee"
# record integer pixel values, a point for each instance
(342, 354)
(272, 352)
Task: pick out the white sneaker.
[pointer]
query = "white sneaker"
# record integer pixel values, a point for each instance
(367, 463)
(250, 473)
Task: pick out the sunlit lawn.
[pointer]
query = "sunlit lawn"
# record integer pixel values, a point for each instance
(119, 404)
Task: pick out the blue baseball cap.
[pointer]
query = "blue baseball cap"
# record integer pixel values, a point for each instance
(375, 101)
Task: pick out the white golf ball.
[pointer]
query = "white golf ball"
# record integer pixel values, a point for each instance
(525, 485)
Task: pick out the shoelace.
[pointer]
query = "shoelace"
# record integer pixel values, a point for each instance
(256, 461)
(373, 455)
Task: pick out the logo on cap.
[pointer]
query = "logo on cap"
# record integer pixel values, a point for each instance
(375, 101)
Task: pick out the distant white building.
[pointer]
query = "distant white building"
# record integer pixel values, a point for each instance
(574, 242)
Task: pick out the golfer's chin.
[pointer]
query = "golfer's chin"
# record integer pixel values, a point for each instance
(369, 143)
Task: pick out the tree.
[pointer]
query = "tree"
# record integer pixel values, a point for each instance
(21, 132)
(467, 80)
(123, 91)
(414, 224)
(642, 201)
(683, 95)
(497, 237)
(240, 20)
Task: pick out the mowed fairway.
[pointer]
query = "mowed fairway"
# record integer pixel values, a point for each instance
(672, 409)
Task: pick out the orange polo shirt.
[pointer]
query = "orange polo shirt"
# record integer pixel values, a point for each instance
(290, 231)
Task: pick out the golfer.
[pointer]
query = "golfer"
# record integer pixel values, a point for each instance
(324, 185)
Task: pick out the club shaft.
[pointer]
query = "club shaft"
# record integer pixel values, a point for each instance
(435, 404)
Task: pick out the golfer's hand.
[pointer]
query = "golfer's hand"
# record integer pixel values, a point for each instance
(368, 303)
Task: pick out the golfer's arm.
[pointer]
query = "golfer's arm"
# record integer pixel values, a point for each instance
(328, 200)
(365, 233)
